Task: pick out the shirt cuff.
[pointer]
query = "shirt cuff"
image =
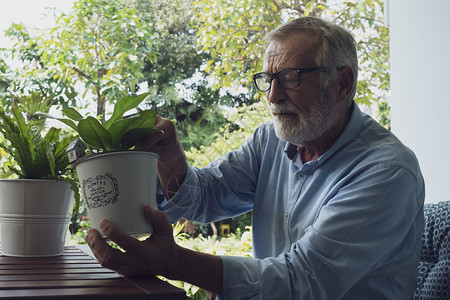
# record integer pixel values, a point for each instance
(240, 278)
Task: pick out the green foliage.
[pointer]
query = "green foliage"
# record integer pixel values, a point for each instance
(32, 80)
(198, 117)
(180, 91)
(241, 221)
(232, 32)
(36, 156)
(239, 244)
(102, 43)
(228, 245)
(175, 43)
(243, 121)
(384, 114)
(34, 103)
(365, 19)
(117, 133)
(79, 235)
(4, 81)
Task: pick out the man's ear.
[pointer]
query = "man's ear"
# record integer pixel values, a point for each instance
(346, 81)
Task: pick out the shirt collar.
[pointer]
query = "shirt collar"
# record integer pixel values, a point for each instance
(290, 150)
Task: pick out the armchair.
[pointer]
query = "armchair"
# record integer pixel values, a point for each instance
(433, 274)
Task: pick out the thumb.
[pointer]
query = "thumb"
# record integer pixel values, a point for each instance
(158, 220)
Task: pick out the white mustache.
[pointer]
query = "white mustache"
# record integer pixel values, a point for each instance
(283, 108)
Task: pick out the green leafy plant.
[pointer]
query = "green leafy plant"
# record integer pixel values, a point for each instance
(117, 133)
(36, 156)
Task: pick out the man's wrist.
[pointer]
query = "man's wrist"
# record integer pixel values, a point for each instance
(200, 269)
(174, 268)
(171, 176)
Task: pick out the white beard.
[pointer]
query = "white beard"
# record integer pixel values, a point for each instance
(301, 129)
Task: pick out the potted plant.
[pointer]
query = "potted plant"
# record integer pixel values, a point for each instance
(116, 181)
(35, 207)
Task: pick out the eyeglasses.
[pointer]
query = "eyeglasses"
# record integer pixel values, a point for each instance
(288, 78)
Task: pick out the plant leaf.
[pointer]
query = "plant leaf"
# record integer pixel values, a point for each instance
(118, 129)
(72, 113)
(51, 158)
(16, 131)
(93, 133)
(68, 122)
(145, 119)
(23, 128)
(123, 105)
(55, 147)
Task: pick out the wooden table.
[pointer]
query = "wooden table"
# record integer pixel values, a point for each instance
(76, 275)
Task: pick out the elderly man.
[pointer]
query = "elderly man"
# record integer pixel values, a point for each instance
(337, 199)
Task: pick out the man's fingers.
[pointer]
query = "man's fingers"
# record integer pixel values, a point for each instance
(109, 257)
(116, 235)
(101, 250)
(166, 135)
(151, 256)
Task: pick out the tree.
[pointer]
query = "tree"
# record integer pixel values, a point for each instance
(31, 84)
(103, 43)
(232, 32)
(4, 80)
(243, 120)
(175, 44)
(179, 88)
(85, 47)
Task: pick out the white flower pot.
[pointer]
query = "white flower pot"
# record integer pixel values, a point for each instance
(116, 186)
(34, 216)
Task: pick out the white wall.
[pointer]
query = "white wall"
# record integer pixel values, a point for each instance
(420, 84)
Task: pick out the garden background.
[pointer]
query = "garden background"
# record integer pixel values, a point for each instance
(196, 59)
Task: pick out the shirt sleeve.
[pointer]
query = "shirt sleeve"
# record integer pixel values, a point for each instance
(354, 234)
(224, 189)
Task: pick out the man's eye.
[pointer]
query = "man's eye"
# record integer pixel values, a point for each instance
(290, 77)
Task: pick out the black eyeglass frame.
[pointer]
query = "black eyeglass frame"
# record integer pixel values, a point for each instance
(275, 76)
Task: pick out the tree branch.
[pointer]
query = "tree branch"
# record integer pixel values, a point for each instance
(81, 73)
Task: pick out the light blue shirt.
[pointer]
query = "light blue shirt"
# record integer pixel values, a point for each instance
(347, 225)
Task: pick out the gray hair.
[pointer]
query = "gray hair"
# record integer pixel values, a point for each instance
(337, 47)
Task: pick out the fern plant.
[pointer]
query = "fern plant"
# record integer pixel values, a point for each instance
(36, 156)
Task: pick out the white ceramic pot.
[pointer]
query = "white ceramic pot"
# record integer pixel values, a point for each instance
(116, 186)
(34, 216)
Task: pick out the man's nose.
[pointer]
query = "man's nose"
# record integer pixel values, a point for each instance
(276, 93)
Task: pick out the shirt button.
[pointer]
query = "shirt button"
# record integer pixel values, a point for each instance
(286, 215)
(300, 175)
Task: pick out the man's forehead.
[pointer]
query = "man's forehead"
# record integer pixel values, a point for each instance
(290, 52)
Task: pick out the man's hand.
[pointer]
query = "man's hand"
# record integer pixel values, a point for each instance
(164, 143)
(172, 160)
(156, 255)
